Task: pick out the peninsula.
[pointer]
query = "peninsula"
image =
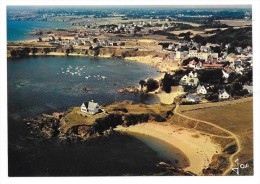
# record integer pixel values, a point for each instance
(204, 87)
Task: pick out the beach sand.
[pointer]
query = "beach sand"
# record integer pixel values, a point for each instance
(157, 62)
(197, 147)
(168, 98)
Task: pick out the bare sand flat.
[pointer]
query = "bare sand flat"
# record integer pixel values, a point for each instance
(197, 147)
(168, 98)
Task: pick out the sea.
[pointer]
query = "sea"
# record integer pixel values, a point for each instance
(46, 84)
(19, 30)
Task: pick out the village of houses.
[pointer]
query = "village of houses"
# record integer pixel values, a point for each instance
(230, 64)
(200, 57)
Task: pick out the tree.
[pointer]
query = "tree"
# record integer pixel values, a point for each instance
(231, 49)
(95, 40)
(232, 77)
(216, 49)
(151, 85)
(67, 51)
(34, 50)
(13, 53)
(142, 83)
(211, 76)
(166, 83)
(46, 50)
(200, 39)
(213, 97)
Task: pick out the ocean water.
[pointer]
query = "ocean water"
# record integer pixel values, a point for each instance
(18, 30)
(37, 85)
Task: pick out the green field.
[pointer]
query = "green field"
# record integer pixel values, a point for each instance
(235, 117)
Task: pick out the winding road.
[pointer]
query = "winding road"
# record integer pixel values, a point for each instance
(232, 135)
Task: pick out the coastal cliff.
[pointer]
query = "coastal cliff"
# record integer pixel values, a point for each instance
(74, 124)
(16, 50)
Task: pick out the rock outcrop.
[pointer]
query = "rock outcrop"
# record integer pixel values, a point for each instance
(49, 126)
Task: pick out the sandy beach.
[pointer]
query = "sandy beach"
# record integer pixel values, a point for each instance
(168, 98)
(157, 62)
(197, 147)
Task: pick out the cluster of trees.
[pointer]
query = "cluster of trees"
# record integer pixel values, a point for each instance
(241, 37)
(186, 36)
(172, 80)
(186, 61)
(234, 87)
(179, 26)
(150, 84)
(211, 76)
(167, 82)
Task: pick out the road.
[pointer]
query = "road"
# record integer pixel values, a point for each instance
(232, 135)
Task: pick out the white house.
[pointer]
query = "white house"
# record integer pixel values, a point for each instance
(239, 70)
(190, 81)
(248, 88)
(201, 90)
(181, 54)
(184, 79)
(225, 74)
(193, 98)
(193, 74)
(223, 94)
(90, 107)
(199, 66)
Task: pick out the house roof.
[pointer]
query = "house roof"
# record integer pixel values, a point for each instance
(247, 87)
(192, 96)
(91, 105)
(200, 86)
(212, 65)
(222, 91)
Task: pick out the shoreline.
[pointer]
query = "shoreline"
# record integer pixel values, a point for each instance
(161, 65)
(198, 148)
